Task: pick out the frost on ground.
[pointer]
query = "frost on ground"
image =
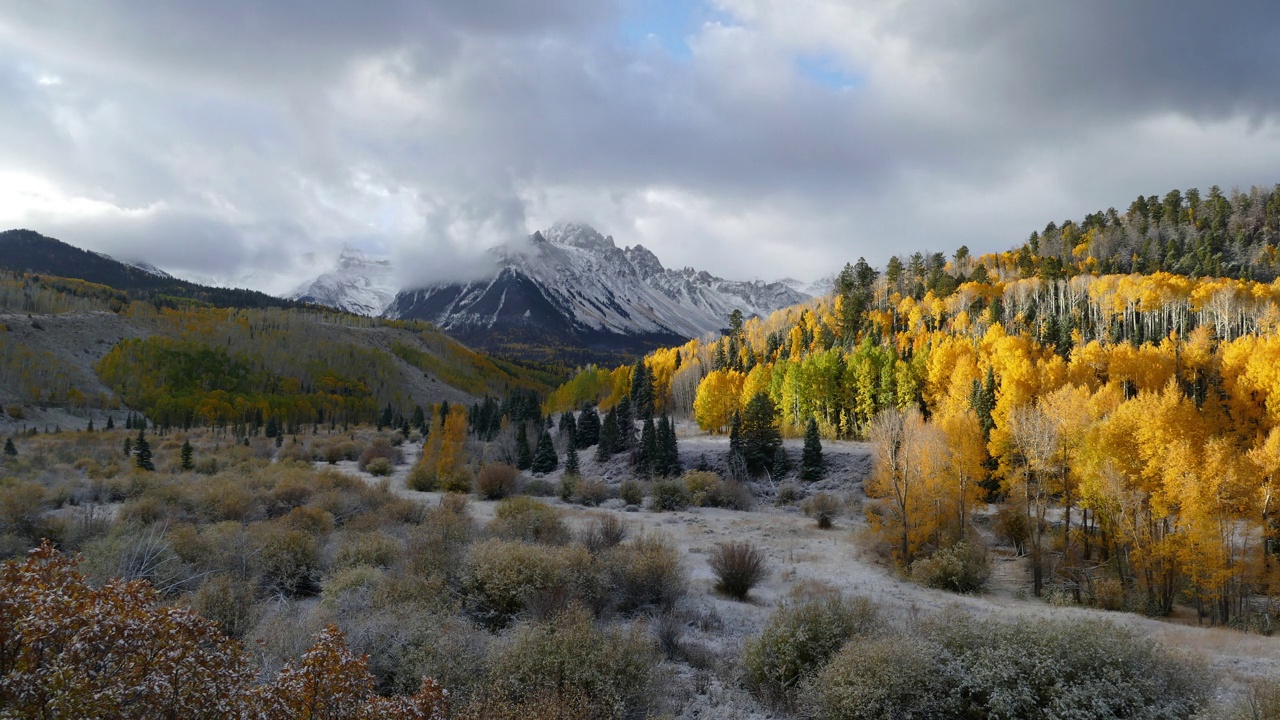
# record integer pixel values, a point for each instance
(803, 559)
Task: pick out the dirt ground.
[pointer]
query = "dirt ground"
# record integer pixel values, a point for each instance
(802, 555)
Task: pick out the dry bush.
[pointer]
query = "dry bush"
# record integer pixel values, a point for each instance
(375, 549)
(823, 508)
(380, 449)
(421, 477)
(22, 506)
(439, 543)
(562, 705)
(228, 603)
(962, 568)
(571, 659)
(524, 518)
(703, 487)
(496, 481)
(647, 573)
(669, 495)
(539, 487)
(799, 639)
(591, 492)
(379, 467)
(296, 452)
(502, 577)
(889, 677)
(787, 494)
(632, 492)
(458, 481)
(287, 561)
(739, 566)
(603, 532)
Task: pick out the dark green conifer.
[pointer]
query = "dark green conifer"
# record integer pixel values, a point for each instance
(142, 451)
(625, 425)
(588, 428)
(811, 466)
(760, 438)
(571, 459)
(90, 427)
(608, 436)
(128, 446)
(545, 459)
(272, 428)
(524, 458)
(111, 423)
(645, 455)
(781, 462)
(188, 462)
(9, 448)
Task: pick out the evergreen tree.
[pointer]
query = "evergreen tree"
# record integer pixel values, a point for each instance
(645, 455)
(272, 428)
(279, 440)
(737, 459)
(128, 446)
(608, 436)
(524, 459)
(571, 459)
(671, 449)
(568, 426)
(588, 428)
(642, 391)
(444, 411)
(90, 427)
(781, 462)
(111, 424)
(419, 418)
(142, 452)
(625, 425)
(9, 449)
(811, 467)
(760, 438)
(545, 459)
(188, 463)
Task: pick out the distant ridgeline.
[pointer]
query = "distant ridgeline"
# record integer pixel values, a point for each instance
(1148, 401)
(235, 367)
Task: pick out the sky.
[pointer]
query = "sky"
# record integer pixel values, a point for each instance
(245, 141)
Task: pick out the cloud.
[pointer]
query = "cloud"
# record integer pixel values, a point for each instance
(747, 137)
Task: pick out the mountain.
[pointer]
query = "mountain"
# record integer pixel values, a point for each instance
(359, 285)
(572, 290)
(26, 251)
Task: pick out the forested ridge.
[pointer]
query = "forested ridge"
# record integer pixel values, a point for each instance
(1126, 425)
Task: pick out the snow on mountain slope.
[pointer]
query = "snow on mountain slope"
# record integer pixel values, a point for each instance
(359, 284)
(572, 281)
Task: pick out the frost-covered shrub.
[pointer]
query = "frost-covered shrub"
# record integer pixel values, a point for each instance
(496, 481)
(379, 467)
(646, 573)
(523, 518)
(631, 492)
(961, 568)
(380, 449)
(799, 639)
(882, 677)
(823, 508)
(739, 566)
(669, 495)
(502, 577)
(375, 549)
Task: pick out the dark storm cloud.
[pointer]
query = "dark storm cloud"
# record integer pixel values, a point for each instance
(261, 131)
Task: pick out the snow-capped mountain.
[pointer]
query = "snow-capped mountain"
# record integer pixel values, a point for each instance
(359, 284)
(570, 285)
(145, 267)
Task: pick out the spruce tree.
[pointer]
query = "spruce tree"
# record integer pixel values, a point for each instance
(142, 452)
(645, 455)
(188, 463)
(571, 459)
(662, 456)
(672, 449)
(524, 459)
(781, 462)
(545, 459)
(737, 459)
(642, 391)
(811, 468)
(128, 446)
(760, 438)
(272, 428)
(608, 436)
(279, 439)
(111, 424)
(588, 428)
(624, 424)
(419, 418)
(9, 448)
(90, 427)
(568, 426)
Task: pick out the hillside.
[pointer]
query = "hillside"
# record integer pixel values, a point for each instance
(84, 355)
(25, 251)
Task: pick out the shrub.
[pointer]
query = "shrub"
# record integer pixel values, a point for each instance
(961, 568)
(228, 603)
(375, 549)
(591, 492)
(603, 532)
(440, 542)
(1037, 667)
(458, 481)
(570, 658)
(787, 494)
(503, 577)
(421, 478)
(669, 495)
(539, 487)
(381, 449)
(631, 492)
(734, 495)
(568, 486)
(703, 487)
(379, 467)
(287, 560)
(523, 518)
(823, 508)
(496, 481)
(739, 566)
(646, 572)
(873, 678)
(799, 639)
(295, 451)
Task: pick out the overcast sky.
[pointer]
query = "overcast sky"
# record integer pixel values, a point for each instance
(249, 139)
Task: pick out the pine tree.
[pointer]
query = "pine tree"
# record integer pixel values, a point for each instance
(524, 459)
(811, 467)
(588, 428)
(90, 427)
(781, 462)
(444, 411)
(111, 424)
(642, 391)
(608, 436)
(672, 450)
(9, 449)
(625, 426)
(188, 463)
(568, 426)
(545, 459)
(279, 439)
(760, 438)
(645, 455)
(571, 459)
(142, 451)
(737, 459)
(128, 446)
(272, 428)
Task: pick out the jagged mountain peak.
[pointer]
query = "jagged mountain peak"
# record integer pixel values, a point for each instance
(579, 235)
